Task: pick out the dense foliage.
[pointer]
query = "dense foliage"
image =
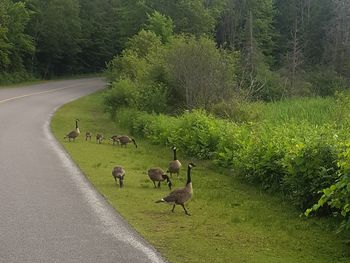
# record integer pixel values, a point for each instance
(337, 195)
(300, 159)
(283, 49)
(183, 72)
(16, 47)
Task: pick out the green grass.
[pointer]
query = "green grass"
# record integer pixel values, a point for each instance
(230, 222)
(315, 110)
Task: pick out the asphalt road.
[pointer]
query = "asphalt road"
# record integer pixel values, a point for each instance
(48, 210)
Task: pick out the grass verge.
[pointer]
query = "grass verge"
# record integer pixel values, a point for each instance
(230, 222)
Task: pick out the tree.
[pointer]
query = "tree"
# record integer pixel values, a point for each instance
(5, 46)
(161, 25)
(247, 26)
(189, 16)
(99, 34)
(338, 38)
(57, 30)
(16, 45)
(200, 73)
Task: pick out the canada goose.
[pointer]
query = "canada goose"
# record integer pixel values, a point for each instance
(180, 196)
(156, 174)
(99, 138)
(88, 135)
(124, 140)
(73, 134)
(174, 165)
(114, 139)
(118, 173)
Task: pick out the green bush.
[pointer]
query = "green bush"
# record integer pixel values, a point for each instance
(310, 167)
(296, 159)
(121, 93)
(255, 153)
(15, 77)
(198, 134)
(152, 98)
(157, 128)
(337, 196)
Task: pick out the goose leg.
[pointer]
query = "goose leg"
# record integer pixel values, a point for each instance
(172, 210)
(154, 184)
(159, 184)
(183, 206)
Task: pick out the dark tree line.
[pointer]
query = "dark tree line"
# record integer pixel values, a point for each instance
(297, 47)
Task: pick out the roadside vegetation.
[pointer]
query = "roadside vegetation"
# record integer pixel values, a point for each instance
(296, 147)
(230, 221)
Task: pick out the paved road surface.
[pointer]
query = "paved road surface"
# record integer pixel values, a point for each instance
(48, 211)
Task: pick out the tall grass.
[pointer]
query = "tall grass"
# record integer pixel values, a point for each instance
(317, 111)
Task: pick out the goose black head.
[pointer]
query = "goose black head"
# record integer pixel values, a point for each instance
(191, 165)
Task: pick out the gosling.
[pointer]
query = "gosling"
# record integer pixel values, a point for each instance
(118, 173)
(99, 138)
(88, 135)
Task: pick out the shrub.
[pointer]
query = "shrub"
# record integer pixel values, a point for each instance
(337, 196)
(152, 98)
(197, 134)
(310, 167)
(296, 159)
(15, 77)
(157, 128)
(121, 93)
(255, 153)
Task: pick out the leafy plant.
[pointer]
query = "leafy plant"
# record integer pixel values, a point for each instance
(337, 196)
(120, 94)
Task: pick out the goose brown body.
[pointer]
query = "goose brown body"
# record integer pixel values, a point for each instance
(174, 165)
(118, 173)
(73, 134)
(124, 140)
(180, 196)
(157, 174)
(88, 135)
